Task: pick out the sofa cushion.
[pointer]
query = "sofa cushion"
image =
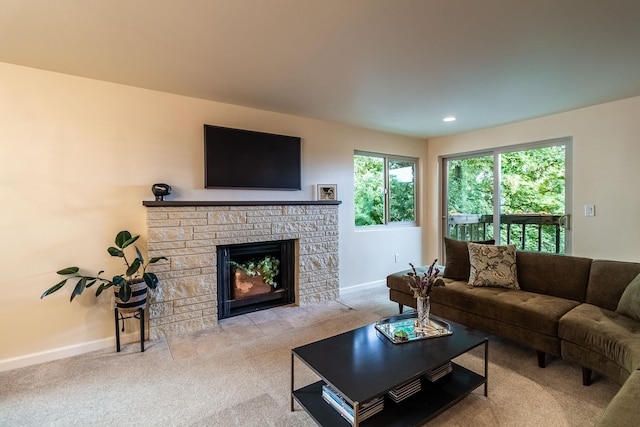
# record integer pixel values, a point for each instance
(523, 309)
(561, 276)
(457, 258)
(629, 304)
(608, 280)
(493, 266)
(605, 332)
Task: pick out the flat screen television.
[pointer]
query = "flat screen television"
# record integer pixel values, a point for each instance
(236, 158)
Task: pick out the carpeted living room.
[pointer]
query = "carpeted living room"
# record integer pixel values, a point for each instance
(239, 375)
(327, 146)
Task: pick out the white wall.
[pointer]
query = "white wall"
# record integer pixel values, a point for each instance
(78, 157)
(606, 172)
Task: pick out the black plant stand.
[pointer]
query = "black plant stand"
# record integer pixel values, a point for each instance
(138, 314)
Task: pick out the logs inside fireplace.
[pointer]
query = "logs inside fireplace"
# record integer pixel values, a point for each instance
(239, 293)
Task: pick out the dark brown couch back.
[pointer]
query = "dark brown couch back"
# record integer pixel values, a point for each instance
(557, 275)
(608, 281)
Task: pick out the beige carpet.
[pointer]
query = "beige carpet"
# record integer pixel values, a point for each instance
(239, 375)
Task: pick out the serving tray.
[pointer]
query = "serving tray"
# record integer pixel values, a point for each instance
(401, 329)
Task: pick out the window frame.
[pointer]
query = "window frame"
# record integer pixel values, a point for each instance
(387, 158)
(496, 152)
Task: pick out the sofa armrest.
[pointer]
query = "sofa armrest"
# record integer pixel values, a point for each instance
(623, 410)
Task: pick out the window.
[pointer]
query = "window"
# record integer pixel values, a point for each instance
(384, 189)
(516, 195)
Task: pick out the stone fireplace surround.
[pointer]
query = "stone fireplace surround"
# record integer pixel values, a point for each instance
(188, 233)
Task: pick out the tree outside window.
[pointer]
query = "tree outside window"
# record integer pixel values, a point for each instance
(384, 189)
(526, 185)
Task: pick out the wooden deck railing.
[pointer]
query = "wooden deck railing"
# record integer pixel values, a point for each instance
(532, 232)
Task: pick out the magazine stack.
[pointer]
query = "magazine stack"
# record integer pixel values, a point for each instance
(437, 373)
(398, 394)
(367, 409)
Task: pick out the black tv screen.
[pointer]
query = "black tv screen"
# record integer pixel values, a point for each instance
(236, 158)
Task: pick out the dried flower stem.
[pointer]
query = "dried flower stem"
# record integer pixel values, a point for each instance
(422, 285)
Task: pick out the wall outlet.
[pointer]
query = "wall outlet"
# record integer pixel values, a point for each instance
(397, 258)
(589, 210)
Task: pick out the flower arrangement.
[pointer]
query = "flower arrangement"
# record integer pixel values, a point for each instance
(422, 285)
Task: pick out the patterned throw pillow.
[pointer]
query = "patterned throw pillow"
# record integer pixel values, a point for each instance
(629, 304)
(493, 266)
(457, 258)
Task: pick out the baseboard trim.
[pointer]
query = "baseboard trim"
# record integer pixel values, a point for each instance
(64, 352)
(363, 285)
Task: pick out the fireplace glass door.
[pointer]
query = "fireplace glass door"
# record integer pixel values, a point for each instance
(247, 281)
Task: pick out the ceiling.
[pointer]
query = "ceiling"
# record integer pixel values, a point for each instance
(394, 65)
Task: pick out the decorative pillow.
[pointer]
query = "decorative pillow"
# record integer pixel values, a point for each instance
(493, 266)
(457, 258)
(629, 304)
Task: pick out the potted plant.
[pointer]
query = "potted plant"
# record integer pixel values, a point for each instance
(254, 277)
(131, 285)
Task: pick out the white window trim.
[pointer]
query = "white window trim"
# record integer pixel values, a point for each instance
(386, 158)
(567, 141)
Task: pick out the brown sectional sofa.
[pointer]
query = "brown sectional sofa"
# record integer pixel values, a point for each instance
(565, 308)
(593, 334)
(623, 409)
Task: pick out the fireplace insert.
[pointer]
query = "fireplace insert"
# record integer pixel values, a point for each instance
(241, 293)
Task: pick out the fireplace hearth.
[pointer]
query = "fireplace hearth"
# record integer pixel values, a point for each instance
(239, 296)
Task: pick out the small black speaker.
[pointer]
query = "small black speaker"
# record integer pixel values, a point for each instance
(160, 190)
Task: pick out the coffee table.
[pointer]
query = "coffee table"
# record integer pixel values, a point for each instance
(362, 364)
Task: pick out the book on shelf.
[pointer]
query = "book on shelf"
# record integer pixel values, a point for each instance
(400, 393)
(367, 409)
(439, 372)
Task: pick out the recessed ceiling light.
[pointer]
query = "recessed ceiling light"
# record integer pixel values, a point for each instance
(449, 119)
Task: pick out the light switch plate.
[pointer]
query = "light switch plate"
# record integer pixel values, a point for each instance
(589, 210)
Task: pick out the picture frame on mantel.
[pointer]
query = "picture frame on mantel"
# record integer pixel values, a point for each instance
(327, 192)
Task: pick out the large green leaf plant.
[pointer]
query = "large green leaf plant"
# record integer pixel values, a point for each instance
(133, 274)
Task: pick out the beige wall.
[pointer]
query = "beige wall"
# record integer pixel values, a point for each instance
(77, 158)
(606, 172)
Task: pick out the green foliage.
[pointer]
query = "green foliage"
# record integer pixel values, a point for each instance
(369, 191)
(123, 240)
(531, 182)
(401, 193)
(470, 186)
(267, 267)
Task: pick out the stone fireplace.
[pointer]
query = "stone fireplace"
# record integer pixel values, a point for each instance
(189, 233)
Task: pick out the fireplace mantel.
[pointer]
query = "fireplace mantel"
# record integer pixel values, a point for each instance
(181, 203)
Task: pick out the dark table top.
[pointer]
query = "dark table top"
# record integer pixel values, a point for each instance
(363, 363)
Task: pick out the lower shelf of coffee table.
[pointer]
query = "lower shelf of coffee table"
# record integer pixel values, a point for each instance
(433, 399)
